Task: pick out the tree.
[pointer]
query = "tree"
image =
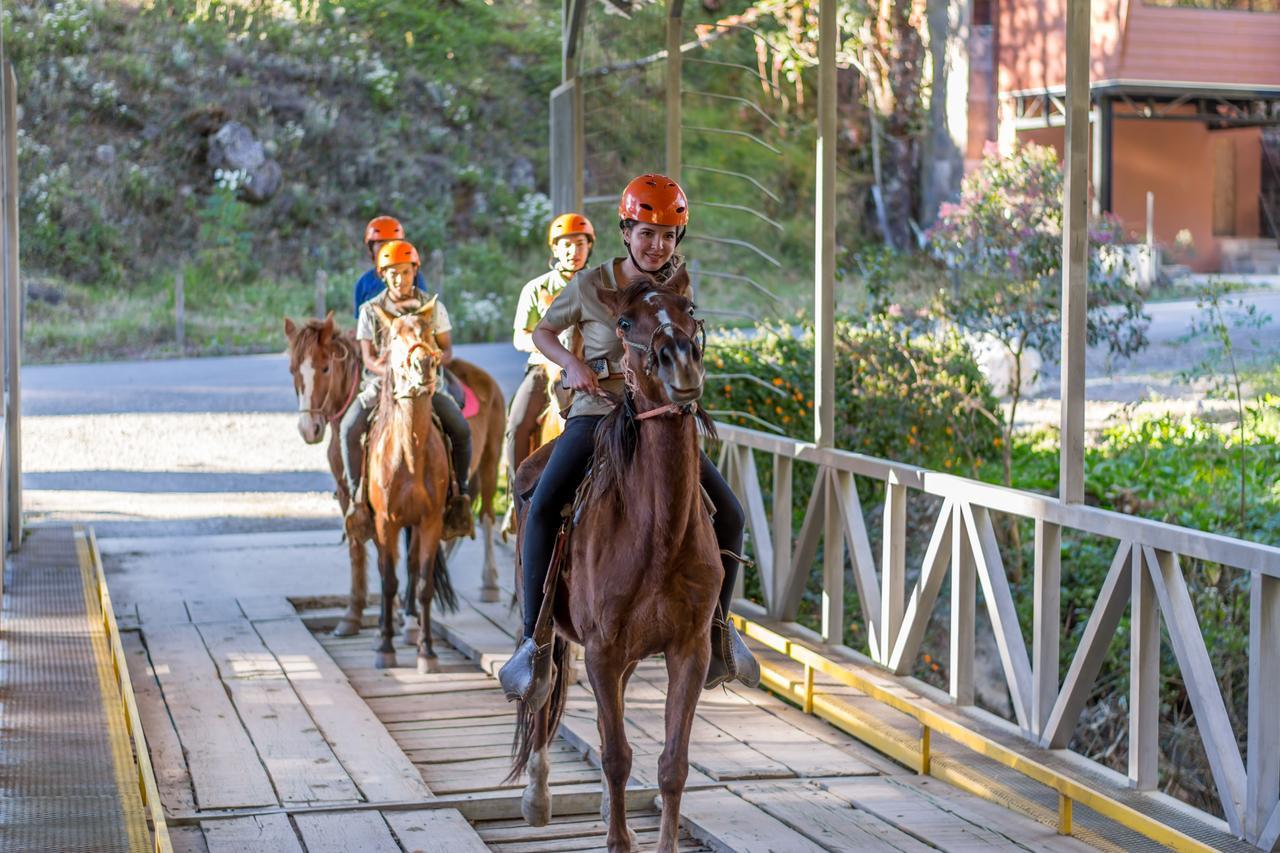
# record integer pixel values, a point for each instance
(1003, 242)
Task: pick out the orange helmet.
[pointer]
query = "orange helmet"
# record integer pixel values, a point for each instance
(397, 252)
(383, 228)
(569, 224)
(655, 199)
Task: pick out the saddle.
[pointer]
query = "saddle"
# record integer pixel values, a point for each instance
(462, 394)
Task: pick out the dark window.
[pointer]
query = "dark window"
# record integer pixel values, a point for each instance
(982, 12)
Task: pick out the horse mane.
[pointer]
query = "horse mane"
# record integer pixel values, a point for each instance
(310, 333)
(618, 435)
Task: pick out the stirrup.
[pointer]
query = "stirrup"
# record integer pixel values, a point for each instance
(730, 659)
(527, 674)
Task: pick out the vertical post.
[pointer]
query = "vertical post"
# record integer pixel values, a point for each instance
(824, 391)
(1106, 145)
(1075, 246)
(1047, 622)
(781, 527)
(322, 293)
(435, 272)
(964, 595)
(13, 305)
(1264, 697)
(1151, 221)
(179, 311)
(893, 564)
(568, 145)
(674, 113)
(1144, 677)
(832, 559)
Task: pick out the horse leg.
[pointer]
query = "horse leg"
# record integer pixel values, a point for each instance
(608, 677)
(489, 577)
(385, 655)
(351, 621)
(686, 670)
(413, 581)
(425, 562)
(535, 802)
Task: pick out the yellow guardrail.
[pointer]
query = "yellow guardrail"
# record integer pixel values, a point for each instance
(146, 773)
(1069, 790)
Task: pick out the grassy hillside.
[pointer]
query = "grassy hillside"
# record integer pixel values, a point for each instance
(435, 112)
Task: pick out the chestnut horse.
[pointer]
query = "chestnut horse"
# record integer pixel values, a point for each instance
(326, 368)
(644, 569)
(408, 478)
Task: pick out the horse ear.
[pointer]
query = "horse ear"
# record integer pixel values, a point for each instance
(383, 317)
(610, 298)
(328, 320)
(290, 328)
(429, 306)
(679, 281)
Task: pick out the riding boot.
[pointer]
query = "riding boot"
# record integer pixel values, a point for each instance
(458, 520)
(730, 657)
(527, 674)
(357, 520)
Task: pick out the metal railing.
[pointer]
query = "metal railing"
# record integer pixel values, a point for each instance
(1145, 574)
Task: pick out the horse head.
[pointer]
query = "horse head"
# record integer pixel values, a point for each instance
(663, 340)
(314, 360)
(413, 359)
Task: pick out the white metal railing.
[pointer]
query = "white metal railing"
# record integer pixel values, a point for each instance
(1145, 574)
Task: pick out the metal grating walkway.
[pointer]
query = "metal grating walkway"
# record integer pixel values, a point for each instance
(66, 765)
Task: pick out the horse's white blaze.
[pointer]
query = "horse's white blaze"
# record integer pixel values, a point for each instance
(306, 418)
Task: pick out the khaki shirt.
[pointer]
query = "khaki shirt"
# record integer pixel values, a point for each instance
(578, 305)
(535, 298)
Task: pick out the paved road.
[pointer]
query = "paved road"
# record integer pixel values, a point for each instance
(210, 445)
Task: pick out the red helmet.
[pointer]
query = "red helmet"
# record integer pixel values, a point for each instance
(569, 224)
(655, 199)
(382, 228)
(397, 252)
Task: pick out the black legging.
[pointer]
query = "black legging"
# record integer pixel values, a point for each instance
(570, 457)
(355, 423)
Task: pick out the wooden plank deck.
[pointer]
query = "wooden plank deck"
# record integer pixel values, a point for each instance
(271, 736)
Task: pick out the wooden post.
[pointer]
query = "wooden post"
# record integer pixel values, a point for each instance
(435, 272)
(1263, 787)
(964, 594)
(674, 112)
(824, 391)
(1047, 625)
(322, 293)
(832, 555)
(179, 311)
(13, 311)
(1144, 679)
(1075, 248)
(893, 567)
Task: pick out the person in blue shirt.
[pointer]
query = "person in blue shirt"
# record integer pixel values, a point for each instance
(381, 229)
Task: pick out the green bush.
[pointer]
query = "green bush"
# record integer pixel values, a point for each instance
(919, 400)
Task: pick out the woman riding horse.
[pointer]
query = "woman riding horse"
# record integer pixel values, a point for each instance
(570, 239)
(652, 215)
(398, 265)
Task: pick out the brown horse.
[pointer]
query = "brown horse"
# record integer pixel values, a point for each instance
(408, 478)
(326, 368)
(644, 569)
(325, 363)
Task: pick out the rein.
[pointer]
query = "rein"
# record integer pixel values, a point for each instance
(428, 388)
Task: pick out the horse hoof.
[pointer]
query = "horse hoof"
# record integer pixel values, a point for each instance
(536, 809)
(346, 627)
(490, 595)
(384, 660)
(428, 665)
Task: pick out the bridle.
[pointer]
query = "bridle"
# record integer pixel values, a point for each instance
(699, 342)
(345, 355)
(429, 386)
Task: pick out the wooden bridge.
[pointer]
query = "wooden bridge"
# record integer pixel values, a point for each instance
(255, 729)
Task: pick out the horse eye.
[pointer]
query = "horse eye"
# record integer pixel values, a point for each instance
(326, 369)
(624, 324)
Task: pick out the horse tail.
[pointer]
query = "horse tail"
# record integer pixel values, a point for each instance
(445, 593)
(534, 729)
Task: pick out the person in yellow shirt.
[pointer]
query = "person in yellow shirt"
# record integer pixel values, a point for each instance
(570, 239)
